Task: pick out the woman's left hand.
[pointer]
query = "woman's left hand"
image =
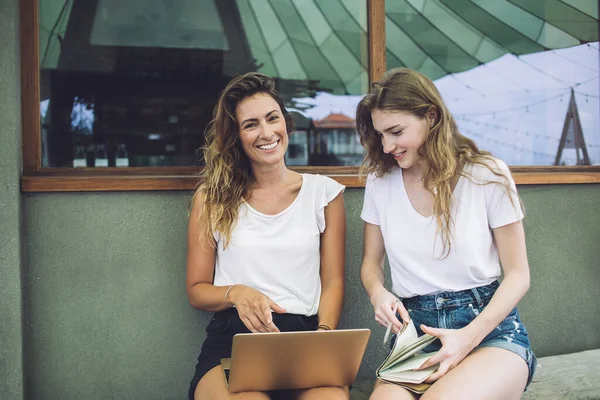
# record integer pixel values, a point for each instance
(456, 345)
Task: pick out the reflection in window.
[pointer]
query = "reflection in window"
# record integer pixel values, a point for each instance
(546, 114)
(520, 76)
(134, 83)
(342, 141)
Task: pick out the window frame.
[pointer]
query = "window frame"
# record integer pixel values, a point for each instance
(36, 178)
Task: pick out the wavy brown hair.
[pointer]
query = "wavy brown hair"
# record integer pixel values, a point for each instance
(227, 174)
(445, 150)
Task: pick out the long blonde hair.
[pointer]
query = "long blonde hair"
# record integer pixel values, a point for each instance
(227, 174)
(445, 150)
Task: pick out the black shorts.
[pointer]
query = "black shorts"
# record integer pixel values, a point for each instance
(219, 338)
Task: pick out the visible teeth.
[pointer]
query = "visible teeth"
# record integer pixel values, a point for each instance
(268, 146)
(399, 154)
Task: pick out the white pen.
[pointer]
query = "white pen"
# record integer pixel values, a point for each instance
(389, 324)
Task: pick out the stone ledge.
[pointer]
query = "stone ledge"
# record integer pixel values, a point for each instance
(574, 376)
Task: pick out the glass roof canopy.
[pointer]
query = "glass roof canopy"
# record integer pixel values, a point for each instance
(326, 40)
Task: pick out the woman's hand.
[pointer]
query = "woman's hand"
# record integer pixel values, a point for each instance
(456, 345)
(254, 308)
(385, 305)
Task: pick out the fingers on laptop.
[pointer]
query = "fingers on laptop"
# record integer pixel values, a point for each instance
(254, 324)
(258, 317)
(266, 318)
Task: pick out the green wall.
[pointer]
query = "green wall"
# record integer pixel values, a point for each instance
(107, 314)
(11, 356)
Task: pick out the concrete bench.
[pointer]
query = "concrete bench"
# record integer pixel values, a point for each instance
(573, 376)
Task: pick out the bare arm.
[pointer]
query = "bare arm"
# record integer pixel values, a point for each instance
(333, 248)
(510, 241)
(200, 266)
(371, 274)
(254, 308)
(457, 344)
(371, 270)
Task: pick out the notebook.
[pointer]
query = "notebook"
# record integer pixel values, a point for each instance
(401, 365)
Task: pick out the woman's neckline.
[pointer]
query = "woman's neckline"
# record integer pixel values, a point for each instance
(405, 193)
(285, 210)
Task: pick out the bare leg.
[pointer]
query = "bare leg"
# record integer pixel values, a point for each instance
(385, 391)
(333, 393)
(212, 387)
(488, 373)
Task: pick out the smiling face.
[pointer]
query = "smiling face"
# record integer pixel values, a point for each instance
(402, 135)
(263, 131)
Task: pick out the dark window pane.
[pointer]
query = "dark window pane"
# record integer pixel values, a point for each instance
(134, 83)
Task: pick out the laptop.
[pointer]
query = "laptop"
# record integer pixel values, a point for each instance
(294, 360)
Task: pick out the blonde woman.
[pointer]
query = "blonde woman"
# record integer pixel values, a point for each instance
(449, 219)
(265, 244)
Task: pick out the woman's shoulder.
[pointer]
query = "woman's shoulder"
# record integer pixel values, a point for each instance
(320, 190)
(197, 201)
(385, 179)
(487, 169)
(320, 181)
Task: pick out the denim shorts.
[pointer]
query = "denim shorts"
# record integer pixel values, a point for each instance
(455, 310)
(224, 326)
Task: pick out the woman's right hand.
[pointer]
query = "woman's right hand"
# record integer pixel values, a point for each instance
(254, 308)
(384, 304)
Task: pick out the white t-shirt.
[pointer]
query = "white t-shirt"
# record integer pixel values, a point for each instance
(416, 267)
(279, 255)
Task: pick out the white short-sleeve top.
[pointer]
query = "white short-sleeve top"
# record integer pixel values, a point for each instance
(279, 255)
(409, 237)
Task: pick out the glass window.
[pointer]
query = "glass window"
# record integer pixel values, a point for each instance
(133, 83)
(520, 76)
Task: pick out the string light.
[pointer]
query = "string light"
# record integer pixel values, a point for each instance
(573, 61)
(507, 129)
(543, 72)
(521, 107)
(509, 145)
(587, 95)
(518, 131)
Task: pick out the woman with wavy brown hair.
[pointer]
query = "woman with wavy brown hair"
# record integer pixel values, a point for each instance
(448, 217)
(265, 244)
